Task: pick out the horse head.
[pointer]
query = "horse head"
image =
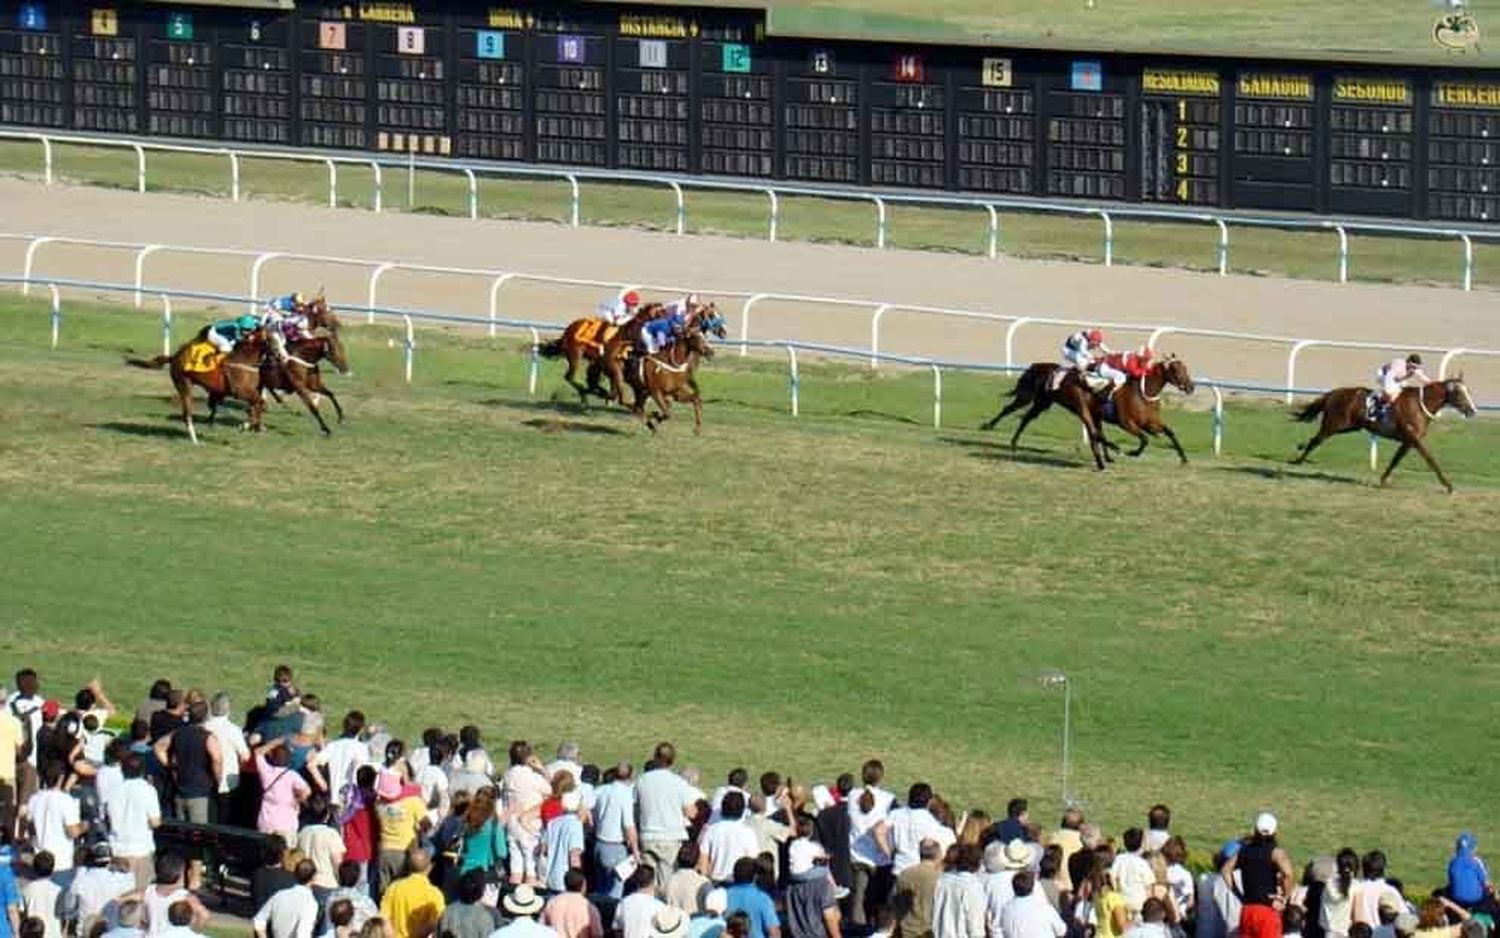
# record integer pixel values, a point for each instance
(697, 342)
(333, 350)
(320, 315)
(1456, 395)
(1174, 371)
(711, 321)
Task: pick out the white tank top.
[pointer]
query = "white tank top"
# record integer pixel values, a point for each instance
(157, 906)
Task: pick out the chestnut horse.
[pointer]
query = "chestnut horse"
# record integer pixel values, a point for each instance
(301, 369)
(1136, 406)
(704, 317)
(236, 376)
(668, 375)
(585, 340)
(1405, 421)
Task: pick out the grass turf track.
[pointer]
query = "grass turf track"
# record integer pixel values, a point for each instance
(798, 594)
(1307, 255)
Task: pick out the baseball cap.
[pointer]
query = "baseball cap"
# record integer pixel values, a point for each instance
(1231, 848)
(1265, 823)
(803, 856)
(50, 710)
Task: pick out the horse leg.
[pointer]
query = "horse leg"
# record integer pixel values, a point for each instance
(335, 401)
(1175, 443)
(1432, 463)
(1037, 407)
(1395, 461)
(312, 408)
(1015, 405)
(1305, 450)
(570, 376)
(214, 400)
(697, 401)
(185, 402)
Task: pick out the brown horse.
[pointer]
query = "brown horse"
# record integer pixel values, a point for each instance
(668, 375)
(1039, 387)
(320, 316)
(237, 375)
(1405, 421)
(301, 370)
(1136, 406)
(586, 340)
(703, 317)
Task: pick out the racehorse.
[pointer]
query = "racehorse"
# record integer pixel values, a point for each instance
(1136, 406)
(320, 316)
(1040, 386)
(237, 375)
(1405, 421)
(586, 340)
(668, 375)
(704, 316)
(301, 370)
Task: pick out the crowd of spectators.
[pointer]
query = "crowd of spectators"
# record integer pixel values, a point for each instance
(363, 836)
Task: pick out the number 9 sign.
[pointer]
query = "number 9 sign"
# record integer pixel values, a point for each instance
(489, 44)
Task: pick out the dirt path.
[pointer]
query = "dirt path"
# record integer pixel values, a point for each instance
(1401, 314)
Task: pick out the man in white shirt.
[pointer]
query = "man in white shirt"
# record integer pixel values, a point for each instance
(737, 780)
(1153, 923)
(1029, 914)
(42, 897)
(233, 752)
(868, 808)
(53, 817)
(1158, 828)
(634, 914)
(615, 838)
(522, 905)
(1002, 864)
(726, 840)
(94, 889)
(566, 761)
(134, 813)
(1132, 873)
(911, 825)
(180, 921)
(664, 803)
(343, 757)
(292, 912)
(25, 704)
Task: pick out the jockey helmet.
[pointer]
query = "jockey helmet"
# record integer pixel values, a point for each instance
(248, 323)
(1414, 359)
(632, 298)
(1095, 336)
(693, 300)
(298, 299)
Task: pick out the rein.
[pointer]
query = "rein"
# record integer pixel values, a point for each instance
(1146, 396)
(1422, 403)
(674, 369)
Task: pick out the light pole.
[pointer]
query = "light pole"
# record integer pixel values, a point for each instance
(1052, 680)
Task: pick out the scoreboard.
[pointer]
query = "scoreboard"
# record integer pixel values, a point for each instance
(685, 90)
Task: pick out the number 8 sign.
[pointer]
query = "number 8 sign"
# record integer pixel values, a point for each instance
(411, 40)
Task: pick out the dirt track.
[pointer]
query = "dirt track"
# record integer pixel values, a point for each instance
(1400, 314)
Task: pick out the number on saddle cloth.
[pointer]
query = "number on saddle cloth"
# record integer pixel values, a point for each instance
(201, 358)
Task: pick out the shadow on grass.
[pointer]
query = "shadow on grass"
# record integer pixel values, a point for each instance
(1000, 451)
(1289, 472)
(175, 430)
(556, 425)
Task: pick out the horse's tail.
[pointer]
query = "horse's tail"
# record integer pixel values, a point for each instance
(1030, 383)
(553, 349)
(1312, 411)
(158, 362)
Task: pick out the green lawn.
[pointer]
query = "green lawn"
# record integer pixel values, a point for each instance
(1363, 30)
(789, 593)
(1310, 255)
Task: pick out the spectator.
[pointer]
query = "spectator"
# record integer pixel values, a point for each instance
(615, 837)
(320, 843)
(413, 904)
(169, 717)
(523, 905)
(523, 789)
(1158, 828)
(53, 818)
(358, 824)
(1468, 878)
(1013, 827)
(726, 841)
(233, 753)
(131, 915)
(1292, 919)
(745, 896)
(736, 780)
(1218, 900)
(869, 847)
(1179, 878)
(770, 834)
(1265, 874)
(1432, 919)
(570, 913)
(403, 818)
(1048, 872)
(421, 755)
(958, 903)
(687, 887)
(562, 843)
(666, 804)
(25, 704)
(282, 790)
(272, 876)
(180, 916)
(194, 763)
(134, 813)
(290, 912)
(1029, 914)
(472, 753)
(1153, 923)
(170, 886)
(433, 781)
(833, 829)
(916, 887)
(341, 919)
(484, 846)
(1002, 862)
(15, 748)
(1371, 889)
(566, 761)
(343, 757)
(351, 890)
(912, 824)
(41, 898)
(1131, 872)
(710, 924)
(669, 922)
(93, 889)
(634, 913)
(468, 917)
(812, 910)
(156, 699)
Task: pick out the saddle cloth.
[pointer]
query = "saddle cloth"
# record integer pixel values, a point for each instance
(596, 332)
(201, 358)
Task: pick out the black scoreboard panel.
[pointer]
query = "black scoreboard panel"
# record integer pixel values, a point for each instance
(1086, 132)
(1463, 151)
(181, 100)
(32, 84)
(571, 108)
(105, 74)
(653, 107)
(736, 108)
(908, 127)
(411, 100)
(492, 88)
(1372, 126)
(1181, 120)
(821, 116)
(257, 79)
(334, 105)
(1273, 148)
(996, 128)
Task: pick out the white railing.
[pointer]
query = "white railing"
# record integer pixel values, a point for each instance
(497, 280)
(881, 202)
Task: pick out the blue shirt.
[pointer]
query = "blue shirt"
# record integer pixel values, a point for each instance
(747, 898)
(1466, 878)
(705, 926)
(563, 835)
(10, 898)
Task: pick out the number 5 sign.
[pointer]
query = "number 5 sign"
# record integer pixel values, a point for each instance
(411, 40)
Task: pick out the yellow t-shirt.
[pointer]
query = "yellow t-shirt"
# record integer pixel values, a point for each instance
(10, 738)
(412, 905)
(399, 821)
(1104, 911)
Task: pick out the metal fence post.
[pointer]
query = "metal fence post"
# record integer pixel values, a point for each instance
(234, 175)
(1374, 453)
(681, 206)
(379, 187)
(1343, 253)
(375, 276)
(1223, 246)
(140, 269)
(411, 344)
(937, 397)
(775, 217)
(880, 221)
(1156, 334)
(792, 377)
(577, 200)
(1447, 360)
(1109, 238)
(166, 324)
(140, 167)
(56, 316)
(29, 263)
(46, 158)
(333, 183)
(875, 334)
(536, 357)
(994, 231)
(1291, 365)
(745, 321)
(255, 268)
(1218, 419)
(1468, 261)
(1010, 340)
(495, 286)
(473, 192)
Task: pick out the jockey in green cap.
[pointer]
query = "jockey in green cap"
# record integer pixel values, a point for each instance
(225, 334)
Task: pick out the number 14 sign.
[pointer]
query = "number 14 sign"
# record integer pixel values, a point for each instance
(908, 68)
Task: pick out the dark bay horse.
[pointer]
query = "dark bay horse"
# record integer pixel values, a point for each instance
(586, 340)
(1039, 387)
(236, 376)
(668, 375)
(1136, 406)
(1406, 421)
(301, 371)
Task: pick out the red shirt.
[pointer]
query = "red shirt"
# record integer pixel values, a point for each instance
(551, 808)
(1129, 362)
(359, 836)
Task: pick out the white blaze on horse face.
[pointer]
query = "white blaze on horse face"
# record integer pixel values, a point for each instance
(1469, 410)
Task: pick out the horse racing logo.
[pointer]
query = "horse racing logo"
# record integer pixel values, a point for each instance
(1457, 31)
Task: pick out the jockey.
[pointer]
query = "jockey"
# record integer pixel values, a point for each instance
(1120, 367)
(225, 334)
(662, 332)
(1394, 375)
(685, 306)
(618, 310)
(1083, 348)
(286, 318)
